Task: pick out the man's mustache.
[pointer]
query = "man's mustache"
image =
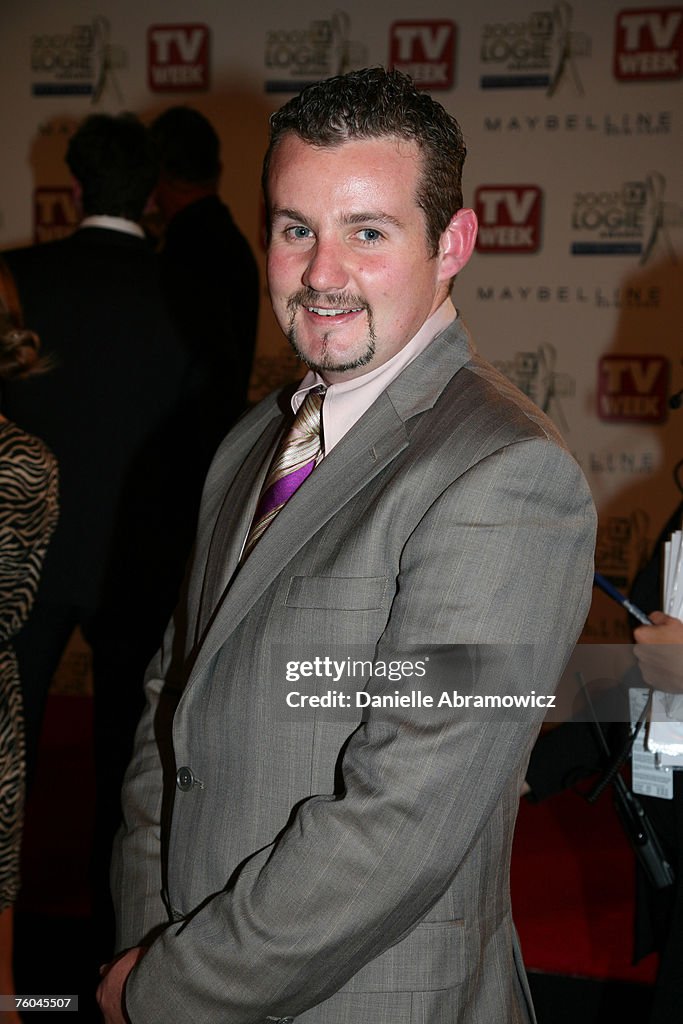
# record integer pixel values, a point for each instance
(332, 300)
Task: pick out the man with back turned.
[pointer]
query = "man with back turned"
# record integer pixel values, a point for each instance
(208, 269)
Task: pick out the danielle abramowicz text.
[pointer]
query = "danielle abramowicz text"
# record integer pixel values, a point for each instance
(417, 699)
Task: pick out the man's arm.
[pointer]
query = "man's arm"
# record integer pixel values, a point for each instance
(136, 869)
(504, 556)
(136, 873)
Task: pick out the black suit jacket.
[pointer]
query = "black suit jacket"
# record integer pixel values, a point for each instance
(212, 284)
(114, 409)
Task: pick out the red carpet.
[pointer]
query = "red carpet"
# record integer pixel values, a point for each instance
(572, 871)
(59, 815)
(572, 890)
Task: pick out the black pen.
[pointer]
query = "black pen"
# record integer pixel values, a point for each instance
(616, 595)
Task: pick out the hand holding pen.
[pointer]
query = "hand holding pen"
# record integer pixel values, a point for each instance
(617, 596)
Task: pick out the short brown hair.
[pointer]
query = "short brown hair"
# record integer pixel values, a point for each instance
(376, 103)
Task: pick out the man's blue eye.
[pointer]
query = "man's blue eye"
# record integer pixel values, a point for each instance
(370, 235)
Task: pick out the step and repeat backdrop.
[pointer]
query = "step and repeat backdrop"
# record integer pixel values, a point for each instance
(573, 115)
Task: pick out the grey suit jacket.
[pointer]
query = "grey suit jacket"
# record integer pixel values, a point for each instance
(354, 868)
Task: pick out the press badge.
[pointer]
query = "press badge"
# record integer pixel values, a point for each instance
(648, 776)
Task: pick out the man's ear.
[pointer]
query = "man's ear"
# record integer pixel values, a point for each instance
(457, 243)
(77, 195)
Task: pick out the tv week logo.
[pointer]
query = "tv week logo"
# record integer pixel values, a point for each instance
(633, 388)
(425, 50)
(509, 218)
(648, 44)
(178, 58)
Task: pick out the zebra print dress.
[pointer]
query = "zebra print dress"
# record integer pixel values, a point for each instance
(28, 514)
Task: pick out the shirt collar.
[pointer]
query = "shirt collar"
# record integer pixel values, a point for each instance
(100, 220)
(345, 402)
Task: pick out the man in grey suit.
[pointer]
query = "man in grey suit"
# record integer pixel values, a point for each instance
(282, 859)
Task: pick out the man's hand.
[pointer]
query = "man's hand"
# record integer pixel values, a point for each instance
(111, 989)
(659, 657)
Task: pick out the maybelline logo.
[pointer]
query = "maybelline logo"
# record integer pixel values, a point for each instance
(535, 374)
(630, 463)
(648, 44)
(509, 218)
(299, 56)
(425, 50)
(79, 62)
(614, 125)
(178, 58)
(54, 213)
(633, 388)
(602, 297)
(632, 219)
(539, 51)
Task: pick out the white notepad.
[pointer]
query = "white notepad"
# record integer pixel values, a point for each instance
(665, 732)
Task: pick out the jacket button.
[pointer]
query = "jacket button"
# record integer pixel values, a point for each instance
(184, 779)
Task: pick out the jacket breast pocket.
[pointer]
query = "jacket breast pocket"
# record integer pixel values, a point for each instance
(337, 593)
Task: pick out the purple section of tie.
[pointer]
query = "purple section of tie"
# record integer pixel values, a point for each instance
(283, 489)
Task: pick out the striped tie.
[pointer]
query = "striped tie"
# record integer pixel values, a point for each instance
(294, 460)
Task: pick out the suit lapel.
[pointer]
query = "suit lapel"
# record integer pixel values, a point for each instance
(233, 521)
(368, 447)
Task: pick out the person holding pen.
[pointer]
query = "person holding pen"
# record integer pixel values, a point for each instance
(658, 652)
(563, 756)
